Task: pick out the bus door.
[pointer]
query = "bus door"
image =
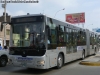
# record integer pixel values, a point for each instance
(74, 41)
(68, 41)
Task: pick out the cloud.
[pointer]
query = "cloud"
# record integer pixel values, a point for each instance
(92, 18)
(54, 4)
(35, 5)
(90, 3)
(66, 3)
(20, 12)
(50, 7)
(2, 10)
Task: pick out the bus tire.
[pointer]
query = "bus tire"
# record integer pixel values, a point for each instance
(3, 61)
(59, 61)
(83, 54)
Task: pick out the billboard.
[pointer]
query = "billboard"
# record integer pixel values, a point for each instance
(75, 18)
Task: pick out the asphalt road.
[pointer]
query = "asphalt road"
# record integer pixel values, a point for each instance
(73, 68)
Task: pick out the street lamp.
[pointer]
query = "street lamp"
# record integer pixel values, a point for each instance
(4, 6)
(89, 25)
(58, 11)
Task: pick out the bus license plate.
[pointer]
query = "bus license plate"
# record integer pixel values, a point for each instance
(24, 59)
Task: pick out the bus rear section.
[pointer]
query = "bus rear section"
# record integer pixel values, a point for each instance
(91, 42)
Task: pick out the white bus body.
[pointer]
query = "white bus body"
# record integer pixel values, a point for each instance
(75, 43)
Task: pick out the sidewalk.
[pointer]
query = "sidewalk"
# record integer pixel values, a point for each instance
(92, 60)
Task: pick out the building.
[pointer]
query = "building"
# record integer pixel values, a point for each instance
(96, 30)
(7, 30)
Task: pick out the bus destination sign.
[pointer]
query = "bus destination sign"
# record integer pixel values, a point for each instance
(28, 19)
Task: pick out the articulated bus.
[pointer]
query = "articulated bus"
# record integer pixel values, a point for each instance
(41, 42)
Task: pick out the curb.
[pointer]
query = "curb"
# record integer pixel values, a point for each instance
(90, 63)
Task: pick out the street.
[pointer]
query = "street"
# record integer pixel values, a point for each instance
(73, 68)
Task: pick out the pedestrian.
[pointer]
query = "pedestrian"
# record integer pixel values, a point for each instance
(0, 47)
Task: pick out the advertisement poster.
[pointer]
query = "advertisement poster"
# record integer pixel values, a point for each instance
(75, 18)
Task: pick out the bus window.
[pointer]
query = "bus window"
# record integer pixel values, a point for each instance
(26, 34)
(51, 34)
(61, 34)
(66, 35)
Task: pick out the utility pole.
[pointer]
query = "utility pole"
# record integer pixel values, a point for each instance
(4, 6)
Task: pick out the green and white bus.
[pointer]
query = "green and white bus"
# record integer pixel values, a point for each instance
(41, 42)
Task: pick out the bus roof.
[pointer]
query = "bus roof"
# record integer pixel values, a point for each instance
(28, 15)
(19, 16)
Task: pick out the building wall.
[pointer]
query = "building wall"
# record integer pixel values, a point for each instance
(7, 30)
(7, 35)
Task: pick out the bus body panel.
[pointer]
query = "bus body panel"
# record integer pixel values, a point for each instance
(31, 62)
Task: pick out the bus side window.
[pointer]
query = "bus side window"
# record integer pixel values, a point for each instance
(48, 34)
(61, 33)
(79, 34)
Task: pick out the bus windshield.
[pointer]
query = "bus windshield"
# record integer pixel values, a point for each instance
(28, 34)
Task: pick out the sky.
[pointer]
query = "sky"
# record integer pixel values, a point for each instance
(51, 7)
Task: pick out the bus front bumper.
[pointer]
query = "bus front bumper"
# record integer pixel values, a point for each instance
(28, 62)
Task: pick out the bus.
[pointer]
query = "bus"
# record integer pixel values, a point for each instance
(42, 42)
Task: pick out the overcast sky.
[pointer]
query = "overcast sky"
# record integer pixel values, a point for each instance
(50, 7)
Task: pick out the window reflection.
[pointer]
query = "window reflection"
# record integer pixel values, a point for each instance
(28, 34)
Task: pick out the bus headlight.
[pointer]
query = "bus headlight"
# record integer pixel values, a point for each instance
(41, 62)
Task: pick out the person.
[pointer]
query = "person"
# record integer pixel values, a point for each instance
(0, 47)
(48, 42)
(32, 39)
(61, 39)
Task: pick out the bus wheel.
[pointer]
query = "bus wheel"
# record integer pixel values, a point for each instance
(3, 61)
(60, 61)
(83, 54)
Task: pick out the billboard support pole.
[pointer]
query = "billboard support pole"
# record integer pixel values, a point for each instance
(83, 25)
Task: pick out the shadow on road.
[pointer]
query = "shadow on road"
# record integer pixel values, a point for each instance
(33, 71)
(42, 71)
